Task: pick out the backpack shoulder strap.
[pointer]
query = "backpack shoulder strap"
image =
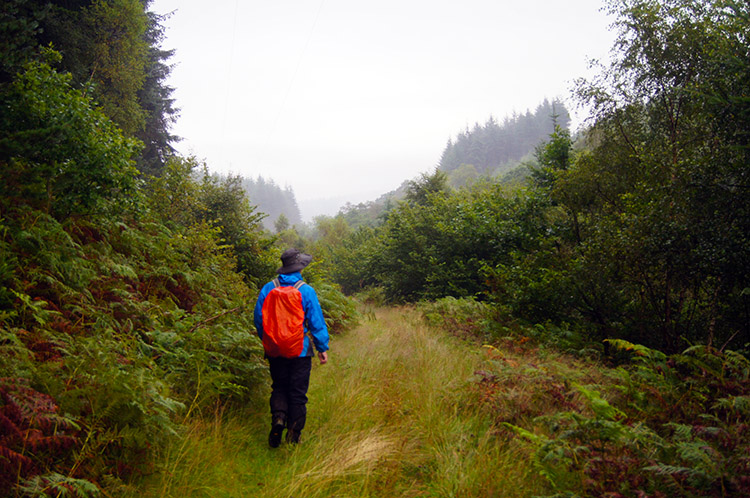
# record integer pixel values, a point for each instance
(276, 283)
(298, 284)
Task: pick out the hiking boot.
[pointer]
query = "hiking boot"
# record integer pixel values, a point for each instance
(274, 438)
(292, 437)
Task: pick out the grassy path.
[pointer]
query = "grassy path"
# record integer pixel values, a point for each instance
(390, 415)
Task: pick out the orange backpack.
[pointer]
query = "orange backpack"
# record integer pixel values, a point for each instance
(283, 321)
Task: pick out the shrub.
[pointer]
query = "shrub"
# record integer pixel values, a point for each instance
(60, 154)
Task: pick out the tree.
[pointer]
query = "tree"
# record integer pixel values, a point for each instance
(155, 97)
(553, 157)
(226, 206)
(59, 153)
(111, 48)
(420, 190)
(493, 148)
(272, 200)
(281, 223)
(20, 25)
(666, 179)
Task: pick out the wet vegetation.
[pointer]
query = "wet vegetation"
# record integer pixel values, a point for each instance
(599, 296)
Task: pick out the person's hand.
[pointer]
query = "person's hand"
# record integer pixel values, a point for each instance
(323, 357)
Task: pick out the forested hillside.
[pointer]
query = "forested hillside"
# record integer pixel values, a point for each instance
(630, 243)
(638, 230)
(503, 152)
(609, 292)
(493, 148)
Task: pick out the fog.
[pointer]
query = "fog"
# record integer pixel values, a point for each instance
(345, 100)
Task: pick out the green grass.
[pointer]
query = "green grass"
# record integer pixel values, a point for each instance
(392, 414)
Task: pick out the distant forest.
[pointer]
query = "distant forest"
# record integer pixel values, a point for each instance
(273, 201)
(489, 150)
(495, 148)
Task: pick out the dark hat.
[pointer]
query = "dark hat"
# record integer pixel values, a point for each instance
(292, 260)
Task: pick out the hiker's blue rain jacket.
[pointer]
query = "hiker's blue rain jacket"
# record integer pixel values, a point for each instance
(315, 324)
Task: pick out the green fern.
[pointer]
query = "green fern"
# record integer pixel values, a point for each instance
(601, 408)
(54, 484)
(640, 352)
(738, 406)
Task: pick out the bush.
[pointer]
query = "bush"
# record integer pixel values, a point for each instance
(59, 153)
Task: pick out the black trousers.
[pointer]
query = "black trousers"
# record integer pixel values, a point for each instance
(290, 378)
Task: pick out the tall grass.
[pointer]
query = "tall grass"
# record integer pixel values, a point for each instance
(392, 414)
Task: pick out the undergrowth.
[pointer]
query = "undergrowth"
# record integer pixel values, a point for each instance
(111, 332)
(636, 422)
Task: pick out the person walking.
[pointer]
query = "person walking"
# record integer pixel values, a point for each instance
(287, 315)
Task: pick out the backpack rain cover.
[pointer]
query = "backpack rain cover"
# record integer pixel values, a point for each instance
(283, 321)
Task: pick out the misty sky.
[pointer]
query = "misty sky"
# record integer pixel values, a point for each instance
(346, 99)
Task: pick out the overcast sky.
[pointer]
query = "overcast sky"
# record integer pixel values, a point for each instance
(346, 99)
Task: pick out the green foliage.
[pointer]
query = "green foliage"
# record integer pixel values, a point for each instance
(128, 327)
(340, 311)
(350, 260)
(113, 52)
(643, 229)
(421, 191)
(636, 229)
(281, 223)
(553, 156)
(226, 206)
(112, 49)
(20, 24)
(58, 485)
(183, 197)
(463, 317)
(442, 248)
(372, 213)
(59, 153)
(124, 310)
(155, 97)
(670, 426)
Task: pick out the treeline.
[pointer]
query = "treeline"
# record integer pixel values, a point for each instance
(635, 229)
(125, 298)
(489, 151)
(493, 148)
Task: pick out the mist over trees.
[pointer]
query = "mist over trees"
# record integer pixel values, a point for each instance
(125, 273)
(274, 201)
(637, 230)
(489, 150)
(494, 148)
